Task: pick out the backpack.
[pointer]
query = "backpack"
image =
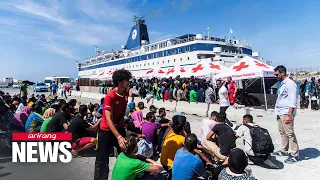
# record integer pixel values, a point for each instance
(261, 140)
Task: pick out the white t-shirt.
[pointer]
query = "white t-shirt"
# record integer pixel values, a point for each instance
(207, 125)
(223, 101)
(244, 132)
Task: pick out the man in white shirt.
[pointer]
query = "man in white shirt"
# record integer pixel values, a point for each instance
(223, 96)
(244, 132)
(207, 125)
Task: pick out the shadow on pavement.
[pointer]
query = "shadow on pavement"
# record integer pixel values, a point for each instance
(5, 160)
(309, 153)
(88, 152)
(4, 174)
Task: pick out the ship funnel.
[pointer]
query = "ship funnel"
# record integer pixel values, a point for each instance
(138, 33)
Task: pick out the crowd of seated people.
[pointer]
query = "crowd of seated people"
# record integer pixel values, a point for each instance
(182, 154)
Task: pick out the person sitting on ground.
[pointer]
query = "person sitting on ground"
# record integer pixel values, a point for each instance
(162, 116)
(140, 106)
(162, 120)
(175, 140)
(72, 103)
(237, 162)
(187, 127)
(150, 127)
(80, 130)
(226, 139)
(129, 132)
(60, 120)
(47, 116)
(131, 105)
(137, 117)
(186, 165)
(128, 165)
(153, 109)
(207, 125)
(19, 120)
(35, 120)
(244, 132)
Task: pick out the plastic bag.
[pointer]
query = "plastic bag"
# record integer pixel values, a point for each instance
(145, 148)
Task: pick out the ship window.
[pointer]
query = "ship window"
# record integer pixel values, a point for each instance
(140, 65)
(168, 61)
(180, 59)
(144, 64)
(158, 62)
(174, 60)
(148, 64)
(174, 51)
(162, 62)
(188, 58)
(152, 63)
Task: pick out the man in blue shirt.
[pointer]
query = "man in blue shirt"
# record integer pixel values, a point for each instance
(285, 109)
(54, 88)
(186, 165)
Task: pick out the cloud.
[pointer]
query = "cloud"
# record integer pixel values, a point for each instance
(54, 48)
(102, 11)
(50, 12)
(183, 5)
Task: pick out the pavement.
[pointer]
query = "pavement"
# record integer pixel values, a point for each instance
(307, 127)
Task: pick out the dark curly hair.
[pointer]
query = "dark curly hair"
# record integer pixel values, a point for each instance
(131, 146)
(121, 75)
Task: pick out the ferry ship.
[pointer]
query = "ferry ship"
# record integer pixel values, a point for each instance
(140, 54)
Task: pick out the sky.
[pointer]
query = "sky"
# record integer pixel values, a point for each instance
(46, 38)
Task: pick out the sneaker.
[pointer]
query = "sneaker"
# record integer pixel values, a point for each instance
(292, 160)
(270, 164)
(280, 153)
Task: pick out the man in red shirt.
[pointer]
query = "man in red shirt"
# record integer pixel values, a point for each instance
(111, 132)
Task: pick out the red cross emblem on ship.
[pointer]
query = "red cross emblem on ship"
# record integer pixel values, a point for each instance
(170, 71)
(101, 73)
(160, 71)
(241, 66)
(182, 70)
(150, 71)
(213, 66)
(261, 64)
(198, 68)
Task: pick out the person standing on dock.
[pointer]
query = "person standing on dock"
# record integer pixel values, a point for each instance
(112, 126)
(285, 110)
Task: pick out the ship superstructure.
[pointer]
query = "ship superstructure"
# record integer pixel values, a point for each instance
(139, 54)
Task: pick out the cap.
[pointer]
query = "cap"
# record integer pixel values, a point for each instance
(153, 107)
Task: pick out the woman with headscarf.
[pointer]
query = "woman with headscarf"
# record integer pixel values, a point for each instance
(47, 116)
(235, 170)
(137, 117)
(21, 106)
(19, 120)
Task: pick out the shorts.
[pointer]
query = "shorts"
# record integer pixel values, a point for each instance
(81, 142)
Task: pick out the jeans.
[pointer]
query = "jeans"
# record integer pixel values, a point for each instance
(106, 141)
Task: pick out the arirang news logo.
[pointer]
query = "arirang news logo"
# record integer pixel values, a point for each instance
(41, 147)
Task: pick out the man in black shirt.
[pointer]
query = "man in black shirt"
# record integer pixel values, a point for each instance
(80, 130)
(60, 120)
(163, 120)
(226, 139)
